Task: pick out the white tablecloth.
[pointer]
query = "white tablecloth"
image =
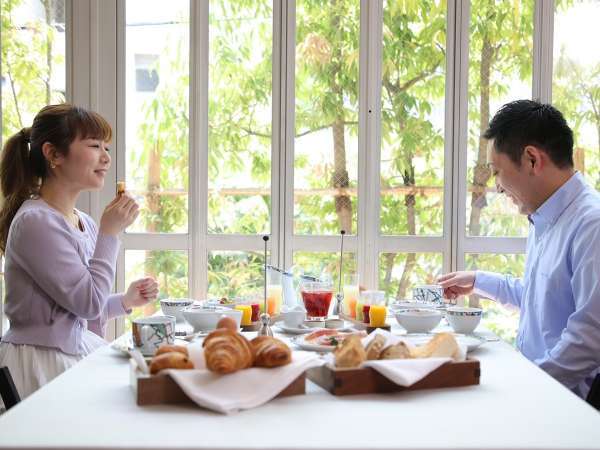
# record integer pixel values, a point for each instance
(517, 406)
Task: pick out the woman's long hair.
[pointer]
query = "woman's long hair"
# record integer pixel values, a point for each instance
(23, 166)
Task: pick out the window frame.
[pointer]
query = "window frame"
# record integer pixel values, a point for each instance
(96, 47)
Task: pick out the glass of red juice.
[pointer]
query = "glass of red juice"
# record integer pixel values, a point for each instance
(316, 296)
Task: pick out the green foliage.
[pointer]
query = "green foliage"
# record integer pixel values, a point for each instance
(28, 83)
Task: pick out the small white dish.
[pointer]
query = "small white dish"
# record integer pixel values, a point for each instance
(174, 307)
(418, 320)
(463, 319)
(205, 318)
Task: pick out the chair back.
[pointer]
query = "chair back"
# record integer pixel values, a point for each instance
(593, 397)
(8, 391)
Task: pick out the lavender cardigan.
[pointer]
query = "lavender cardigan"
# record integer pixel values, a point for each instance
(58, 279)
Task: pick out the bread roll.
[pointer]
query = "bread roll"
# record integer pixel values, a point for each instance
(375, 347)
(270, 352)
(171, 360)
(350, 353)
(172, 348)
(442, 345)
(227, 351)
(396, 351)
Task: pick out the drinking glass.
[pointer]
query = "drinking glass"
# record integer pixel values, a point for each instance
(316, 296)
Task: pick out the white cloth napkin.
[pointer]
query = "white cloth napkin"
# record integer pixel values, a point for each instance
(403, 372)
(244, 389)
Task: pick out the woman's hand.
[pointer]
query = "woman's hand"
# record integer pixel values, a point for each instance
(118, 215)
(140, 292)
(456, 284)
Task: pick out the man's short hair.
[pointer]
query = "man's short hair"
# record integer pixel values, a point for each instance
(527, 122)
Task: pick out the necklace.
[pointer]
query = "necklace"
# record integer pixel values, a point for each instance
(72, 219)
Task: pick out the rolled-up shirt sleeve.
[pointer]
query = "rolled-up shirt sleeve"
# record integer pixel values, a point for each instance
(577, 353)
(502, 288)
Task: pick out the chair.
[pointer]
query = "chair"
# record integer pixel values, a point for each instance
(593, 397)
(8, 391)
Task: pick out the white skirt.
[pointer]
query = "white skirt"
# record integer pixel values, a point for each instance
(33, 366)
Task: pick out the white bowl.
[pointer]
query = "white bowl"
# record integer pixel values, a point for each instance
(463, 319)
(174, 306)
(418, 320)
(205, 319)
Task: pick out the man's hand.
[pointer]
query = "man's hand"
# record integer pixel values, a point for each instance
(140, 292)
(456, 284)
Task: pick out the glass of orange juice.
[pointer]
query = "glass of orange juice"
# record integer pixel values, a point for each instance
(351, 294)
(274, 292)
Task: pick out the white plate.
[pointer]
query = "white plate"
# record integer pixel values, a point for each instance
(292, 330)
(471, 342)
(299, 341)
(122, 346)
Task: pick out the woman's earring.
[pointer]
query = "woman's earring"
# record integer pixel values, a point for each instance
(52, 165)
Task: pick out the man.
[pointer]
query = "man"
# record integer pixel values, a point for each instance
(531, 156)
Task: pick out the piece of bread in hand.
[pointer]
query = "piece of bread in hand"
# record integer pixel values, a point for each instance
(270, 352)
(442, 345)
(350, 353)
(396, 351)
(171, 360)
(375, 347)
(120, 187)
(227, 351)
(167, 348)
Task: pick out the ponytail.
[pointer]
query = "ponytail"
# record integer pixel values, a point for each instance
(17, 180)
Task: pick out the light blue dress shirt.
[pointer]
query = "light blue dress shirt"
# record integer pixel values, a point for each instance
(559, 295)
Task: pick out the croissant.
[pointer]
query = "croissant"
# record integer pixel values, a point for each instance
(227, 351)
(270, 352)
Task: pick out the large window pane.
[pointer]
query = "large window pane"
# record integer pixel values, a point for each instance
(168, 267)
(412, 153)
(235, 274)
(319, 263)
(33, 60)
(576, 83)
(157, 120)
(504, 321)
(400, 272)
(326, 144)
(239, 165)
(500, 70)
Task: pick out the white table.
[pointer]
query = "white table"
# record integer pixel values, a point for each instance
(517, 406)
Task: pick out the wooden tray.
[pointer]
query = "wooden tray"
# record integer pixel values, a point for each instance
(161, 389)
(368, 381)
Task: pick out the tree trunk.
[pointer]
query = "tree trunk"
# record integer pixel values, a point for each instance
(409, 202)
(482, 172)
(343, 204)
(47, 81)
(340, 179)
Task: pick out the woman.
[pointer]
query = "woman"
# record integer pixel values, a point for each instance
(59, 266)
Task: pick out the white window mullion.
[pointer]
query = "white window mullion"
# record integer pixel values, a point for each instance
(369, 135)
(278, 160)
(460, 124)
(198, 199)
(543, 36)
(288, 127)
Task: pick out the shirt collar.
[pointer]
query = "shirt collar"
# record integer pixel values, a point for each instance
(554, 206)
